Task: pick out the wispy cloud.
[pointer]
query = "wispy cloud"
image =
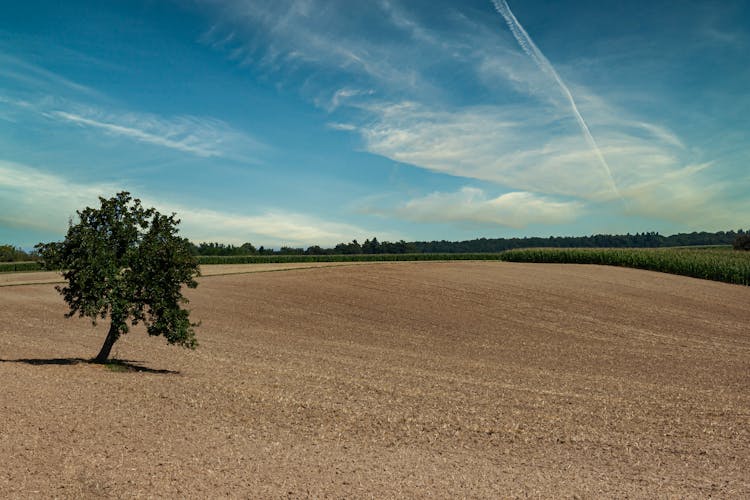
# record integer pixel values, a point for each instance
(34, 199)
(679, 196)
(271, 227)
(40, 79)
(528, 46)
(348, 127)
(494, 144)
(473, 205)
(342, 95)
(30, 88)
(487, 144)
(288, 37)
(200, 136)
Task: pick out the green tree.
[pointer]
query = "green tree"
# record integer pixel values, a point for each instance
(248, 249)
(742, 242)
(315, 250)
(9, 253)
(126, 262)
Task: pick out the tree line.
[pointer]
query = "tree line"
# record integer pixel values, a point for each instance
(484, 245)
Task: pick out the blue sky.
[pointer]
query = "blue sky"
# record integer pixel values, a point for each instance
(314, 122)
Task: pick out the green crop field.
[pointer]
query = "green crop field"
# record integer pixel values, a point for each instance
(711, 263)
(276, 259)
(10, 267)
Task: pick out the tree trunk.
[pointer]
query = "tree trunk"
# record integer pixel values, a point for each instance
(112, 336)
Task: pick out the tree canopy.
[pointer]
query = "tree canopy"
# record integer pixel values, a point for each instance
(742, 242)
(9, 253)
(126, 262)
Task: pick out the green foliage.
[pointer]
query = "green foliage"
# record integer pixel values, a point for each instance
(315, 250)
(348, 248)
(223, 249)
(9, 253)
(290, 251)
(706, 263)
(127, 263)
(375, 247)
(742, 242)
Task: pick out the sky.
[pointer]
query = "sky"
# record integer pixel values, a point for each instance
(312, 122)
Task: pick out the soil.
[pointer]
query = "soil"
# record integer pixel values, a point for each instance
(407, 379)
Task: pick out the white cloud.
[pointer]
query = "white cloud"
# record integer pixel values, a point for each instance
(679, 197)
(39, 200)
(472, 205)
(31, 198)
(198, 136)
(490, 144)
(271, 228)
(487, 143)
(286, 36)
(539, 152)
(342, 95)
(347, 127)
(205, 137)
(530, 48)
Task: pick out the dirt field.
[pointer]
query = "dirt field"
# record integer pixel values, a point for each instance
(448, 380)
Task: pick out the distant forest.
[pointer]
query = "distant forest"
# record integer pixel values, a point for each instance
(484, 245)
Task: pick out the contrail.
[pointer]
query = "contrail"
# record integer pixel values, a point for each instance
(528, 46)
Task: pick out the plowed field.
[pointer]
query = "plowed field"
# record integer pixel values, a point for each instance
(460, 379)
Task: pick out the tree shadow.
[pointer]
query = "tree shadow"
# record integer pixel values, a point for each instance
(115, 365)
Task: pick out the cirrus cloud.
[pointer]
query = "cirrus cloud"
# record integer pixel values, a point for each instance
(472, 205)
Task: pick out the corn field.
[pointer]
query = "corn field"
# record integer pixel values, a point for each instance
(10, 267)
(721, 264)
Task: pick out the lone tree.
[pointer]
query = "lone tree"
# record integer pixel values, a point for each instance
(126, 262)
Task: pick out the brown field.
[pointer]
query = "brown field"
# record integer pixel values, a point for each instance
(461, 379)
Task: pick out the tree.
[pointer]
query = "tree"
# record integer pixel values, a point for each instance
(371, 247)
(126, 262)
(742, 242)
(348, 248)
(9, 253)
(248, 249)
